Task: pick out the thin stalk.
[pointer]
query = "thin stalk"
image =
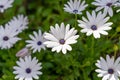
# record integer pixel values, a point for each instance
(115, 53)
(92, 47)
(113, 35)
(75, 20)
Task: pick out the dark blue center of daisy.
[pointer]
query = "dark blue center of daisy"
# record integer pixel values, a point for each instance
(108, 4)
(39, 43)
(110, 71)
(75, 11)
(61, 41)
(5, 38)
(28, 70)
(1, 6)
(94, 27)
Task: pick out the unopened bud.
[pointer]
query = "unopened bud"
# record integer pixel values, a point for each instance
(23, 52)
(115, 47)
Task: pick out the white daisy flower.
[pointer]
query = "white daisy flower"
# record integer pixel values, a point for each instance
(60, 38)
(27, 69)
(75, 6)
(106, 5)
(36, 42)
(96, 24)
(109, 68)
(5, 4)
(18, 24)
(7, 38)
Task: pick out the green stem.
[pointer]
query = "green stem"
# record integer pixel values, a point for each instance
(115, 53)
(92, 48)
(113, 35)
(75, 20)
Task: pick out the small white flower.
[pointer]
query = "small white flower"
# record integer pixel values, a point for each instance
(96, 24)
(106, 5)
(18, 24)
(7, 38)
(5, 4)
(23, 52)
(36, 43)
(109, 68)
(75, 6)
(60, 38)
(27, 69)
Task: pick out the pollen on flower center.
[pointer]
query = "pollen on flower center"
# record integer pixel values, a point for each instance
(94, 27)
(5, 38)
(108, 4)
(1, 6)
(28, 70)
(62, 41)
(110, 71)
(39, 43)
(75, 11)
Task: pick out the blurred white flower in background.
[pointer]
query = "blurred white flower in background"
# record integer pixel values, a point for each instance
(96, 24)
(75, 6)
(5, 4)
(27, 69)
(18, 24)
(117, 4)
(60, 38)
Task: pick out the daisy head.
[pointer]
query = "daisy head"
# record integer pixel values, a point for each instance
(5, 4)
(7, 38)
(109, 68)
(106, 5)
(96, 24)
(60, 37)
(18, 24)
(75, 6)
(36, 42)
(27, 68)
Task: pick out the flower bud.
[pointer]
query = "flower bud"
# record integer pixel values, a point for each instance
(23, 52)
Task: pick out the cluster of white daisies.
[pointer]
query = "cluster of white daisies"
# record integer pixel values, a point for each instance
(60, 37)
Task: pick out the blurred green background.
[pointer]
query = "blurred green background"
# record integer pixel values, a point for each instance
(79, 64)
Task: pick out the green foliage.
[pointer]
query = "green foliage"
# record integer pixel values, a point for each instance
(79, 64)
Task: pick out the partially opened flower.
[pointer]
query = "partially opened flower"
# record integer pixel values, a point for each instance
(75, 6)
(27, 69)
(96, 24)
(5, 4)
(36, 42)
(108, 69)
(18, 24)
(60, 38)
(7, 38)
(106, 5)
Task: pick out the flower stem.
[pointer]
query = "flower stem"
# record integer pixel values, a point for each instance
(113, 35)
(92, 48)
(75, 20)
(115, 53)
